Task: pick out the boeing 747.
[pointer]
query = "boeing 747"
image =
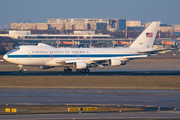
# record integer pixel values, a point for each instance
(82, 59)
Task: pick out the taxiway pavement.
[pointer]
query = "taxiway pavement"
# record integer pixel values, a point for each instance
(93, 73)
(146, 98)
(165, 115)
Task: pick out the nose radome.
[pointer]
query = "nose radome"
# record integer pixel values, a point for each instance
(5, 57)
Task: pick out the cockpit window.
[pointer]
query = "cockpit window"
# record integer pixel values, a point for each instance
(17, 47)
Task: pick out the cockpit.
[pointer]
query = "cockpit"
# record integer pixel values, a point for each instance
(17, 47)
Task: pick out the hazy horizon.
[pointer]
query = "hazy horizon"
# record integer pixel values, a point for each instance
(37, 11)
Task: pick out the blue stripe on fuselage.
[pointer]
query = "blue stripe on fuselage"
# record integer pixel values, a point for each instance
(79, 55)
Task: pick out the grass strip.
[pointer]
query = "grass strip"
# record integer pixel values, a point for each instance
(91, 82)
(60, 109)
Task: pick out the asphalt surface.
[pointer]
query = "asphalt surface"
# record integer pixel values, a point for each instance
(165, 115)
(167, 100)
(93, 73)
(145, 98)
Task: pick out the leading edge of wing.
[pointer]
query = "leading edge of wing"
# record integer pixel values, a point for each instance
(156, 50)
(137, 56)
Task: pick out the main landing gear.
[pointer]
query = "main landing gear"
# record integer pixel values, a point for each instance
(67, 69)
(82, 70)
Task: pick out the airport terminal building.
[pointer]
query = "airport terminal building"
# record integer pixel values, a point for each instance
(77, 39)
(82, 24)
(76, 32)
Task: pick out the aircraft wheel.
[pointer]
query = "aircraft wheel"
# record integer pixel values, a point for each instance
(69, 70)
(87, 70)
(82, 70)
(77, 70)
(21, 70)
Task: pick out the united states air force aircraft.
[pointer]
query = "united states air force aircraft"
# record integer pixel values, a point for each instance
(82, 59)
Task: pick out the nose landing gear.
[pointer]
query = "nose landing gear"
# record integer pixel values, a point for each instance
(21, 70)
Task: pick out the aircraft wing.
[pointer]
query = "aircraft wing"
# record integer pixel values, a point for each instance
(97, 60)
(82, 60)
(130, 57)
(67, 60)
(153, 51)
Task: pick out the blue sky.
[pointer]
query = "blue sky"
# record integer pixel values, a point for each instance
(37, 11)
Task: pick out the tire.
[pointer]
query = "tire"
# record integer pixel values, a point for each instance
(82, 70)
(77, 70)
(69, 70)
(21, 70)
(87, 70)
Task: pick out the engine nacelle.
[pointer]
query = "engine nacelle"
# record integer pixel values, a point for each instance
(114, 62)
(80, 65)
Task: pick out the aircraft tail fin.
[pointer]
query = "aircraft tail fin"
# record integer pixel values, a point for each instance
(147, 37)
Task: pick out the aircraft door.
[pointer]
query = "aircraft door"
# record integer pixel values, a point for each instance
(78, 55)
(29, 56)
(51, 56)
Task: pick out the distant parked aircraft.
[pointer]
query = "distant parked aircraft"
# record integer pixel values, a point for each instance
(82, 59)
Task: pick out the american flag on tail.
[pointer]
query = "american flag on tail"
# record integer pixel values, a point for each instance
(149, 34)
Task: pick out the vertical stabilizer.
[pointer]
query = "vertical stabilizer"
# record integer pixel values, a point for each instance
(147, 37)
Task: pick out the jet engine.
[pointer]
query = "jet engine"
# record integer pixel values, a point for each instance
(114, 62)
(80, 65)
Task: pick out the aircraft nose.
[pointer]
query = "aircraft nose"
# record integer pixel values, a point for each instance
(5, 57)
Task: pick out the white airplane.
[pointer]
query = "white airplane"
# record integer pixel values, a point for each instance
(82, 59)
